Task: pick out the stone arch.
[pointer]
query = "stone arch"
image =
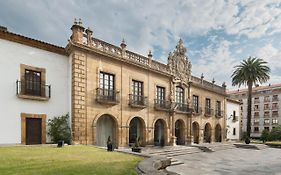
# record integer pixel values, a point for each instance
(105, 126)
(195, 132)
(218, 133)
(160, 132)
(179, 132)
(207, 133)
(137, 129)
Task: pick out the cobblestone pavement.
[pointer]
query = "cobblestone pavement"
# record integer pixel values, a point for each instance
(231, 161)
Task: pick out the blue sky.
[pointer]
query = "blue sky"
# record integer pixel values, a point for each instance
(218, 34)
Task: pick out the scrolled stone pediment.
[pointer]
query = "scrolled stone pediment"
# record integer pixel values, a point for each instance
(178, 63)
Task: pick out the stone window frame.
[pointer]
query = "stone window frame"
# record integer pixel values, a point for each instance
(42, 71)
(24, 116)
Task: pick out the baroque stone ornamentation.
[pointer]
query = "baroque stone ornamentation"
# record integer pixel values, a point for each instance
(178, 63)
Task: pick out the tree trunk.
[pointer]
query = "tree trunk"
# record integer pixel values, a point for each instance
(249, 112)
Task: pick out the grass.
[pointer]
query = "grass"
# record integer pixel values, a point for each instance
(69, 160)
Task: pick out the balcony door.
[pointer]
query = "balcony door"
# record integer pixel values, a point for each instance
(137, 92)
(106, 86)
(32, 82)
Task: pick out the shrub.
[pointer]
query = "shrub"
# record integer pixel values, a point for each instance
(265, 135)
(276, 133)
(59, 129)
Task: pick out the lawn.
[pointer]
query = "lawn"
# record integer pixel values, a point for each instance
(69, 160)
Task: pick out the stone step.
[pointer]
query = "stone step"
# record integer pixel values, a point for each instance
(174, 151)
(175, 162)
(251, 146)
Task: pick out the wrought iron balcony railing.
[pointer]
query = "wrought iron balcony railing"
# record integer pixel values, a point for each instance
(137, 100)
(33, 89)
(197, 110)
(109, 96)
(160, 104)
(209, 111)
(181, 107)
(219, 113)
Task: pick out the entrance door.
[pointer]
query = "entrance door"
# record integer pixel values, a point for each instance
(179, 132)
(159, 135)
(33, 131)
(106, 127)
(135, 130)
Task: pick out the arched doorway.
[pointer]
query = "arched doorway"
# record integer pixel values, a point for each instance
(207, 133)
(159, 132)
(218, 133)
(179, 132)
(106, 127)
(195, 131)
(136, 129)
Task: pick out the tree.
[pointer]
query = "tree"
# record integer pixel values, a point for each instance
(265, 135)
(59, 129)
(250, 72)
(276, 133)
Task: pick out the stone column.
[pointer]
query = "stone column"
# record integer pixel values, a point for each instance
(79, 118)
(173, 137)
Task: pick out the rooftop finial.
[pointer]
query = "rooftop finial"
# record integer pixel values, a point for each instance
(75, 21)
(149, 54)
(123, 44)
(202, 76)
(213, 81)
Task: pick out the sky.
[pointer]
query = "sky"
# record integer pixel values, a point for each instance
(218, 34)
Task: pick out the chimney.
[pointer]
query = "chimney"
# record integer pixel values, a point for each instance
(77, 32)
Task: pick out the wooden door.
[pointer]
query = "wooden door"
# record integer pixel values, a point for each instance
(33, 131)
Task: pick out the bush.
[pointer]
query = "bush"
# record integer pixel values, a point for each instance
(276, 133)
(59, 129)
(265, 136)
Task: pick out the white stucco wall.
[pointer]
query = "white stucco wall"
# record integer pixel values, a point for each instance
(57, 75)
(230, 107)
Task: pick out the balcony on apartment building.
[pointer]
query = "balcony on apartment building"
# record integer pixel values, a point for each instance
(108, 96)
(160, 104)
(208, 112)
(256, 100)
(275, 98)
(33, 90)
(219, 113)
(182, 108)
(138, 101)
(275, 114)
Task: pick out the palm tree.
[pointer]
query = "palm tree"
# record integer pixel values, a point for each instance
(250, 72)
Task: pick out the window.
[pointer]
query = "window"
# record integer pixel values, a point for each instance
(266, 114)
(266, 106)
(266, 99)
(256, 100)
(195, 101)
(256, 114)
(234, 131)
(106, 84)
(208, 106)
(274, 113)
(274, 105)
(179, 95)
(256, 129)
(256, 121)
(32, 82)
(266, 121)
(218, 108)
(275, 98)
(256, 107)
(160, 94)
(274, 121)
(137, 88)
(234, 116)
(266, 128)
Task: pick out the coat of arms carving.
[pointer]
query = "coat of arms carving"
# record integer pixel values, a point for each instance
(178, 63)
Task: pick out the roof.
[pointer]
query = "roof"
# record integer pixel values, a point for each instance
(7, 35)
(258, 88)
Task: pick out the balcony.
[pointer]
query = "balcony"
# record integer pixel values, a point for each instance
(33, 90)
(162, 105)
(182, 108)
(107, 96)
(266, 108)
(274, 114)
(266, 100)
(274, 108)
(256, 101)
(137, 101)
(219, 113)
(197, 110)
(275, 99)
(208, 112)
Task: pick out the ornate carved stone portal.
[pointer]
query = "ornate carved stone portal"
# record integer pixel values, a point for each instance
(178, 64)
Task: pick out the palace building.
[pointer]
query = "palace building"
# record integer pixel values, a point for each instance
(109, 91)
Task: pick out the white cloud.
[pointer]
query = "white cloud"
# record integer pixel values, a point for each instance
(272, 55)
(216, 61)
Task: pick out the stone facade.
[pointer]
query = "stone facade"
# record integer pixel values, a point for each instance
(96, 116)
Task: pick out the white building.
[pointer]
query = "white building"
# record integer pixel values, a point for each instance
(35, 86)
(233, 120)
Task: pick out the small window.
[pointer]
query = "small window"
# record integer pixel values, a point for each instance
(234, 131)
(256, 129)
(266, 128)
(266, 121)
(234, 115)
(274, 121)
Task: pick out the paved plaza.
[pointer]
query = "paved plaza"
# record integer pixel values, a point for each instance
(230, 161)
